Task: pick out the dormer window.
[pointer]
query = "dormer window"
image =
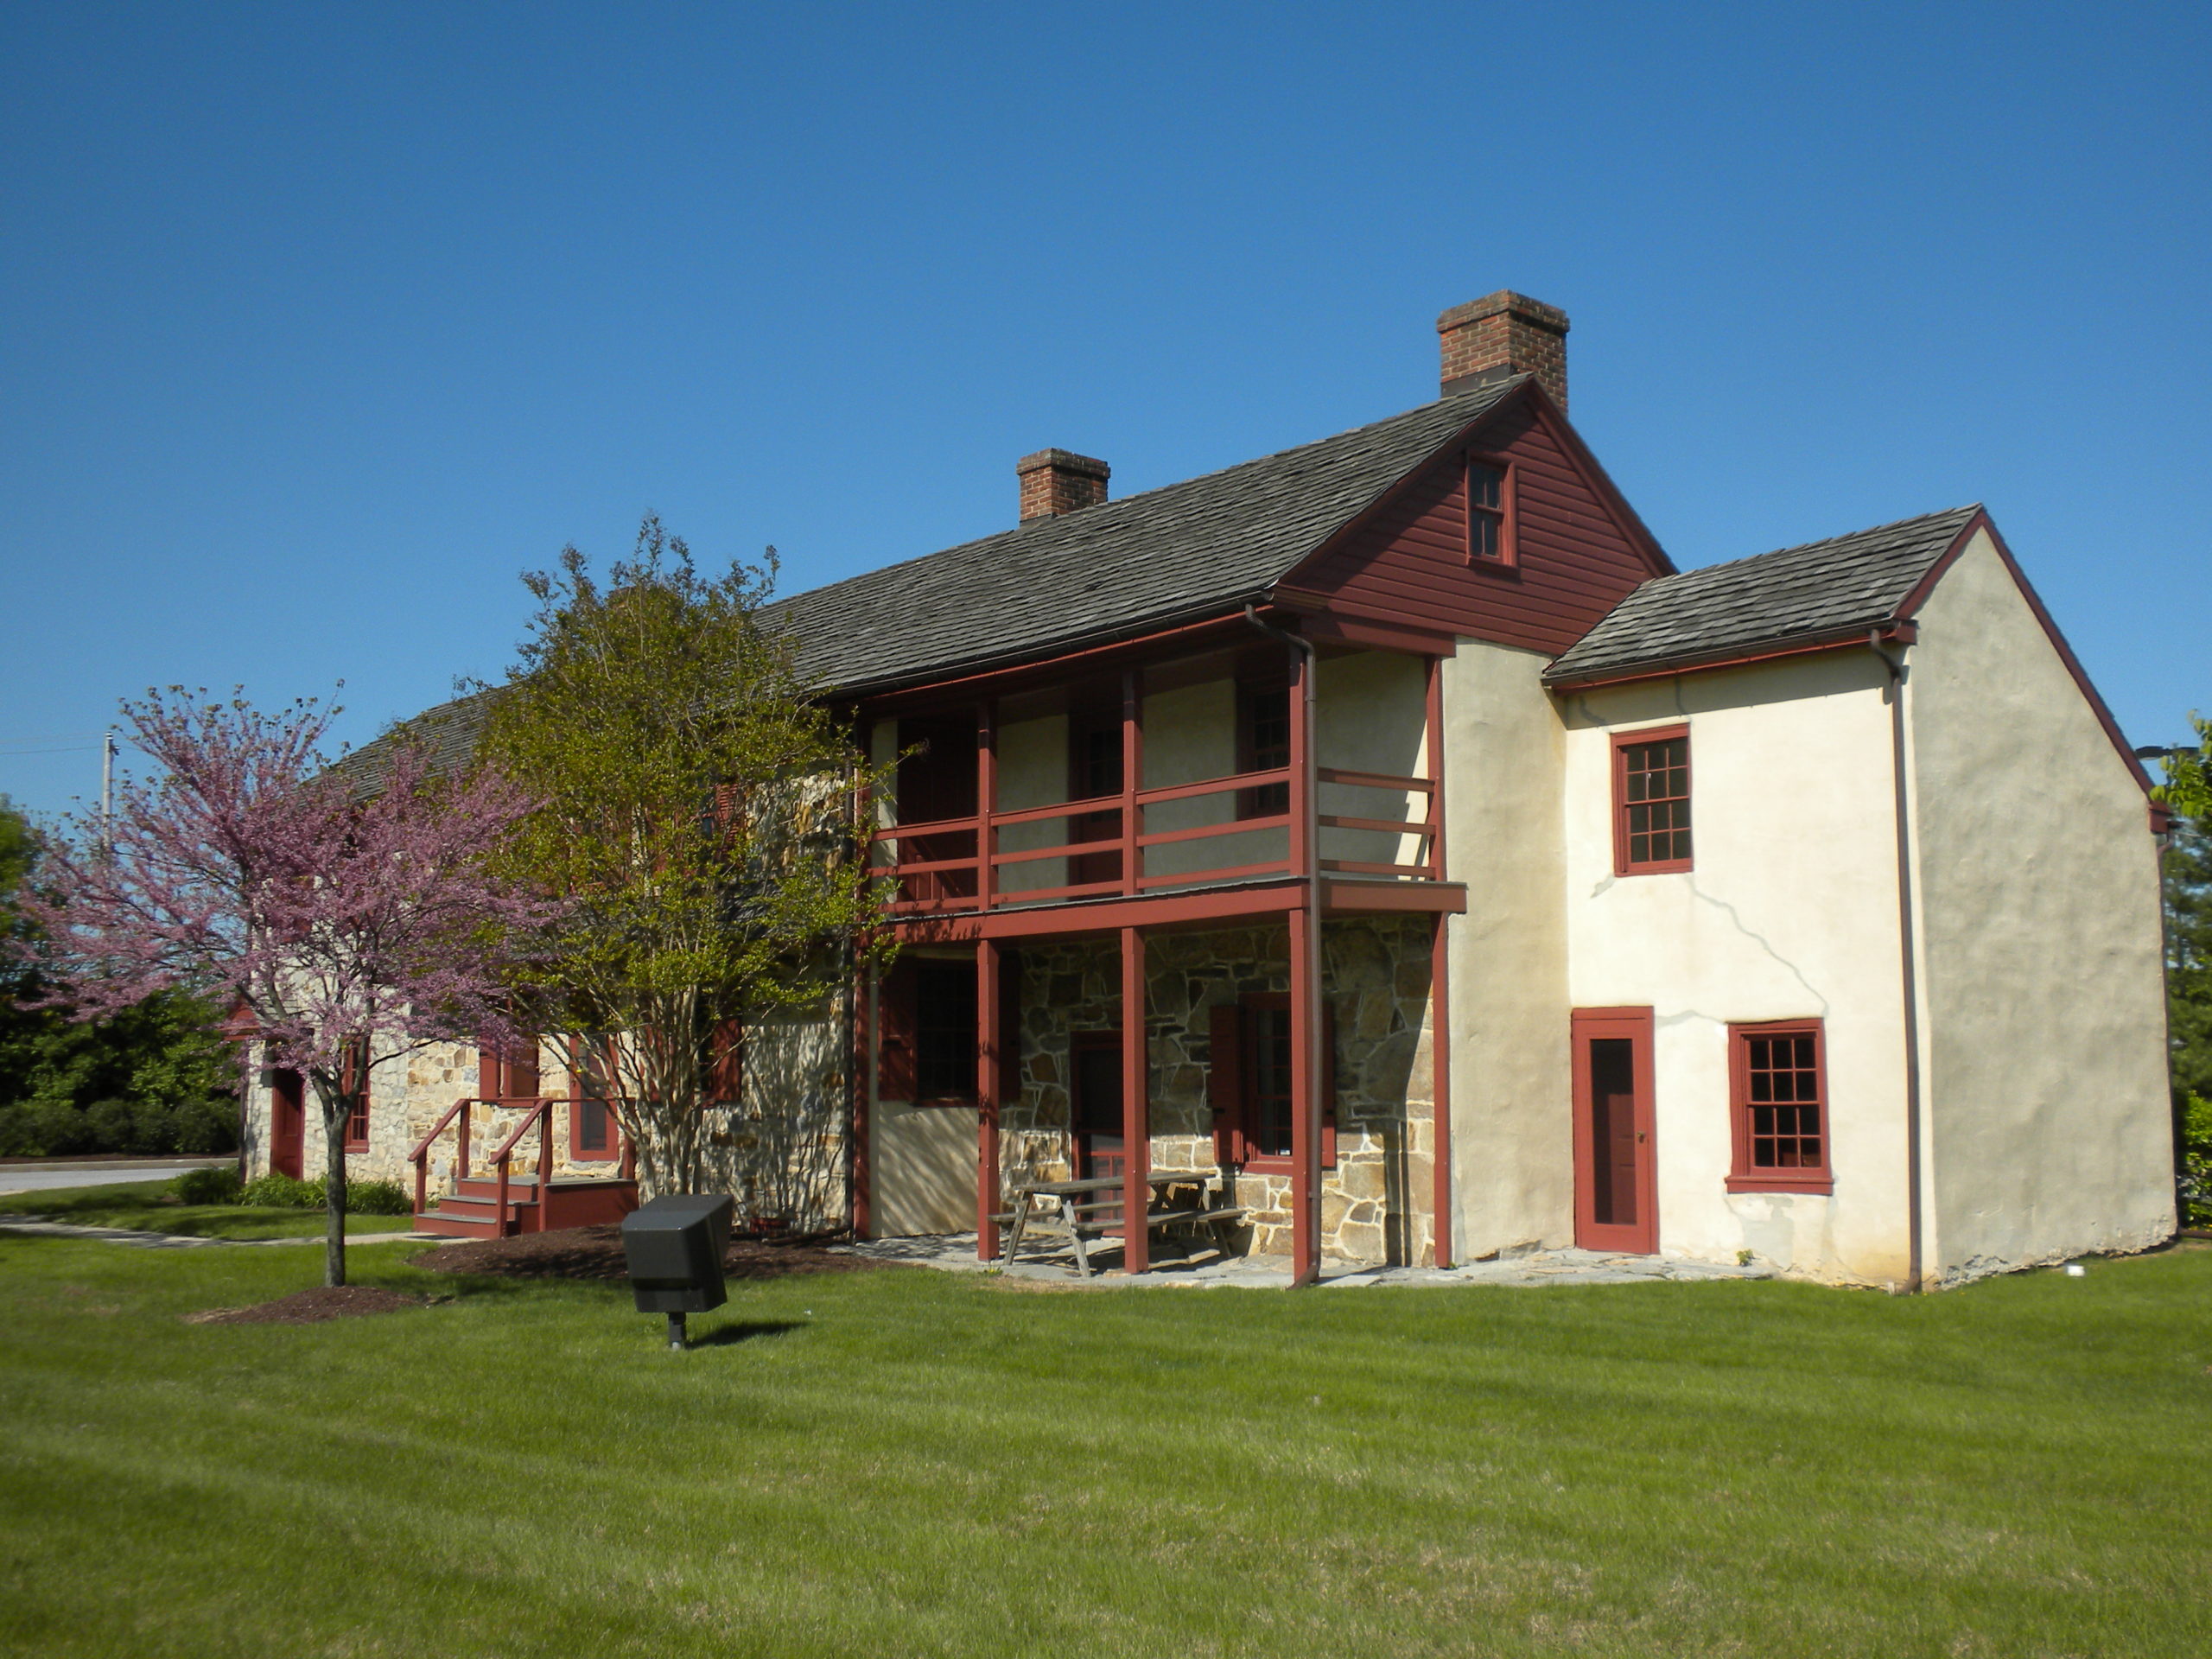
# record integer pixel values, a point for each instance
(1490, 514)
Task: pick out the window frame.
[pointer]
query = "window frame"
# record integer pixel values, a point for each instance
(1624, 864)
(353, 1079)
(1745, 1176)
(1242, 1136)
(963, 1093)
(1505, 515)
(1262, 800)
(583, 1048)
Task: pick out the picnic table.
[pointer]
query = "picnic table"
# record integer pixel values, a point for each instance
(1081, 1213)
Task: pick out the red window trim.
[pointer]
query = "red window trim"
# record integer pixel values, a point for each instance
(1508, 544)
(353, 1079)
(1743, 1175)
(1622, 741)
(1248, 1074)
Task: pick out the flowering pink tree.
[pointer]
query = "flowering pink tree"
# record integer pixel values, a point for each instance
(347, 917)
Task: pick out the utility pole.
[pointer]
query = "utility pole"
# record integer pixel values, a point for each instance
(107, 789)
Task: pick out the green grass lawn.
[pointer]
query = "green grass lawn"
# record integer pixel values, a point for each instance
(911, 1463)
(152, 1206)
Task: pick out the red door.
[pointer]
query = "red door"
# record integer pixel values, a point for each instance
(1099, 1148)
(594, 1132)
(1616, 1184)
(287, 1123)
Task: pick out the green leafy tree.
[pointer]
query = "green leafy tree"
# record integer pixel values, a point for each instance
(696, 807)
(154, 1078)
(2187, 790)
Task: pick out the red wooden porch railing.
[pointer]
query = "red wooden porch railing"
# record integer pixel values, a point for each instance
(923, 888)
(540, 1115)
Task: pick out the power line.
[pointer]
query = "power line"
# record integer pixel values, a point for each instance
(68, 748)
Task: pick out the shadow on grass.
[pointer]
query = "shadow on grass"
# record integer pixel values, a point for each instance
(727, 1336)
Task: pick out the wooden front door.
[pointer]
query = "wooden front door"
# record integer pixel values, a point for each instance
(1097, 1103)
(1616, 1184)
(594, 1135)
(287, 1123)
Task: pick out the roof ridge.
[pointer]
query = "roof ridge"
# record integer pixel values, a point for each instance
(1490, 395)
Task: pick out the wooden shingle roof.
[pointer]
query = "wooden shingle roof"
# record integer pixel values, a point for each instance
(1860, 580)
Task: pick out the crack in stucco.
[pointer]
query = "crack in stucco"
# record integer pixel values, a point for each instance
(1760, 940)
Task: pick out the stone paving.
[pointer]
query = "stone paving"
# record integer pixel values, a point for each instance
(1203, 1268)
(38, 1226)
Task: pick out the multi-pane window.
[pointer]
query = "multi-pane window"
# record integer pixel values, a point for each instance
(1265, 741)
(1487, 542)
(1651, 802)
(1781, 1109)
(945, 1030)
(1268, 1122)
(353, 1078)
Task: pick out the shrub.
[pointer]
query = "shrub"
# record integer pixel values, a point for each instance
(280, 1192)
(216, 1185)
(2197, 1162)
(379, 1199)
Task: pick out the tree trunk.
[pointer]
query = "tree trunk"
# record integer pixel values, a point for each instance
(336, 1109)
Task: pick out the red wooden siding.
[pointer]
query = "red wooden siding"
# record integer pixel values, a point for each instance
(1574, 556)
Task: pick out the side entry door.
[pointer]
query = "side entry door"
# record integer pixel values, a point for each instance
(1615, 1167)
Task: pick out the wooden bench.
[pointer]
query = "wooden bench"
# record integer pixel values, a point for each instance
(1082, 1216)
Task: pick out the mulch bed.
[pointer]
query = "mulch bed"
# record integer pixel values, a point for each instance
(596, 1253)
(311, 1306)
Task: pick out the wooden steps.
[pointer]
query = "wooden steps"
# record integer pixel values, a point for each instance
(471, 1209)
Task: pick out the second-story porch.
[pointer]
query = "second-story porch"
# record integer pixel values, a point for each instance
(1230, 777)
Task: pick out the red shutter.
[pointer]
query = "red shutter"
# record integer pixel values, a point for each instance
(725, 1078)
(1225, 1082)
(894, 1020)
(1009, 1028)
(487, 1069)
(1328, 1085)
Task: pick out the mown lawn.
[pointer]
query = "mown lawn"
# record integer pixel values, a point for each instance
(905, 1462)
(154, 1208)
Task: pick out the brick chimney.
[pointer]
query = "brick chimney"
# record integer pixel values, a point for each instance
(1054, 482)
(1504, 334)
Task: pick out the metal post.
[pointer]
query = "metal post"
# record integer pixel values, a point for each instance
(678, 1337)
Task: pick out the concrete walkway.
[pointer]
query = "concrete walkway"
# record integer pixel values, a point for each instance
(39, 1227)
(44, 1176)
(1204, 1269)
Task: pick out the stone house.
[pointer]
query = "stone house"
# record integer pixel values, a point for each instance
(1387, 828)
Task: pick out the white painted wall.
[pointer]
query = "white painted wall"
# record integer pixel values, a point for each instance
(2046, 1076)
(1512, 1159)
(1790, 911)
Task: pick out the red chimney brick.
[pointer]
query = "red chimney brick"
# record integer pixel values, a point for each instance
(1054, 482)
(1504, 334)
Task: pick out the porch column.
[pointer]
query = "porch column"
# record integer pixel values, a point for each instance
(1305, 985)
(864, 1064)
(987, 799)
(991, 1076)
(1137, 1118)
(1305, 1103)
(1132, 778)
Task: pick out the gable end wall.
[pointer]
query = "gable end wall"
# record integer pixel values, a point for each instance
(2049, 1121)
(1408, 561)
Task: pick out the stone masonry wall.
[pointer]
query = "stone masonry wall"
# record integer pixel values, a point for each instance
(1376, 1201)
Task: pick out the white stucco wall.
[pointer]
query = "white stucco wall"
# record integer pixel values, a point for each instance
(2046, 1074)
(1511, 1155)
(1790, 911)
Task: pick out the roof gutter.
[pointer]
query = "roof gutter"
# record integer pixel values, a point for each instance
(1908, 965)
(1900, 631)
(1309, 1132)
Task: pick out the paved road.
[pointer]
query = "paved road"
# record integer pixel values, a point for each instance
(45, 1178)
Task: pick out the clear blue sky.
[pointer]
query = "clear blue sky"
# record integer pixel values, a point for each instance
(319, 323)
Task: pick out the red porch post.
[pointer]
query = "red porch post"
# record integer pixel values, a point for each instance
(986, 797)
(1131, 780)
(1304, 987)
(990, 1074)
(863, 1062)
(1439, 976)
(1137, 1118)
